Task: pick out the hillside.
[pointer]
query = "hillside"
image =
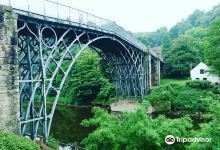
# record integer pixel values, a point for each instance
(190, 41)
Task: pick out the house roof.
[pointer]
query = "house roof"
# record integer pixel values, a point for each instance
(200, 65)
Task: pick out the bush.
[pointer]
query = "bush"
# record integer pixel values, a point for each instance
(200, 84)
(52, 143)
(216, 90)
(134, 131)
(181, 98)
(161, 97)
(191, 100)
(210, 130)
(10, 141)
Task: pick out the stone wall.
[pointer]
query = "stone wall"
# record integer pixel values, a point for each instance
(9, 89)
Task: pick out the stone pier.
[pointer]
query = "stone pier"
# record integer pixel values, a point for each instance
(9, 88)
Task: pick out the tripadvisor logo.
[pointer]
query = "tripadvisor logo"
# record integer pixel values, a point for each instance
(169, 139)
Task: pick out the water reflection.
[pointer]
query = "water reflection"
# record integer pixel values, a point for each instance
(66, 126)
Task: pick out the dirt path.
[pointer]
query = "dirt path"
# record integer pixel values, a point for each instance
(127, 106)
(124, 106)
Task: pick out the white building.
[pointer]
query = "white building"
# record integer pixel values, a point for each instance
(200, 72)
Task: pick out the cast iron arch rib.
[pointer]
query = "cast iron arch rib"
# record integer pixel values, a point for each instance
(46, 49)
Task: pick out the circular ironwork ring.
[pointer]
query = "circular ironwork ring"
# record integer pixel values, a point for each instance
(55, 35)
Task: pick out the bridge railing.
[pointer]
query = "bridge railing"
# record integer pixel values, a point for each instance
(53, 9)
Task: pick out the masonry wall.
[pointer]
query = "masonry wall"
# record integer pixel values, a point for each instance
(9, 89)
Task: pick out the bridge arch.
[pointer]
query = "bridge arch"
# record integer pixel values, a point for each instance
(47, 51)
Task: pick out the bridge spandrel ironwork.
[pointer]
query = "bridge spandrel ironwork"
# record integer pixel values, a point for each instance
(51, 37)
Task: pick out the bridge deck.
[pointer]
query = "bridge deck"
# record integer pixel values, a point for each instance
(58, 13)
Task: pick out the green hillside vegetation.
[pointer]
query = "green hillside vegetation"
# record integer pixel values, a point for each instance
(189, 42)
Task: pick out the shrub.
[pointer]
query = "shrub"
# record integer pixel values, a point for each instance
(182, 98)
(10, 141)
(134, 131)
(161, 97)
(52, 143)
(200, 84)
(191, 100)
(210, 130)
(216, 90)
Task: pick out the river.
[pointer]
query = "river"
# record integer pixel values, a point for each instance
(66, 126)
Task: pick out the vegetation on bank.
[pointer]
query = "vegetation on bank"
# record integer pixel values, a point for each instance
(139, 130)
(196, 97)
(88, 82)
(168, 81)
(10, 141)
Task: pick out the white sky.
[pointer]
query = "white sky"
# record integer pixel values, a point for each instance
(142, 15)
(134, 15)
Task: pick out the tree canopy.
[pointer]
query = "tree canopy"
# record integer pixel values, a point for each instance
(213, 46)
(86, 83)
(188, 42)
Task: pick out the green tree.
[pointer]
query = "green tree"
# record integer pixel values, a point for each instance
(200, 36)
(179, 29)
(183, 56)
(194, 17)
(213, 46)
(85, 82)
(152, 39)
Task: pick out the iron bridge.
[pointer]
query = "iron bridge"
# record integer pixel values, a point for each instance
(52, 36)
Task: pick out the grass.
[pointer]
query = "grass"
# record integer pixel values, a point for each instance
(61, 100)
(167, 81)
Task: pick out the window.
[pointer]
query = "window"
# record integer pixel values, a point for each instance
(201, 71)
(197, 78)
(204, 78)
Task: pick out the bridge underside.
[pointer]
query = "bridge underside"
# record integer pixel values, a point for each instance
(48, 51)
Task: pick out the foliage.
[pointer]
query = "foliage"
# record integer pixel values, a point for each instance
(184, 55)
(134, 131)
(198, 84)
(10, 141)
(176, 97)
(86, 83)
(213, 46)
(167, 81)
(61, 100)
(181, 53)
(210, 130)
(52, 143)
(161, 98)
(179, 29)
(152, 39)
(198, 18)
(106, 92)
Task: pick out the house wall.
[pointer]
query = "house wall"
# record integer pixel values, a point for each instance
(195, 73)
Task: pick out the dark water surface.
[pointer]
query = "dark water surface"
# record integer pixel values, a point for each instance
(66, 126)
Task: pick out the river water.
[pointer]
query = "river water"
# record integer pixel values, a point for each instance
(66, 126)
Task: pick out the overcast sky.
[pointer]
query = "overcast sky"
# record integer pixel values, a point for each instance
(134, 15)
(142, 15)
